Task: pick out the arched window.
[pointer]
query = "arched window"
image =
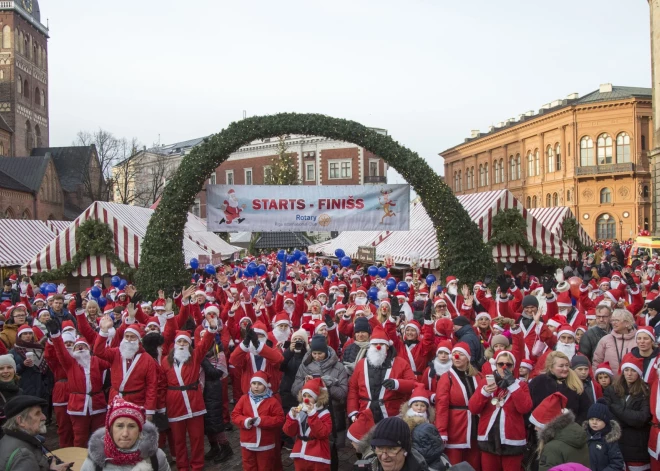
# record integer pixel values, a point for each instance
(586, 151)
(501, 170)
(529, 202)
(37, 135)
(26, 46)
(604, 149)
(481, 175)
(645, 191)
(512, 168)
(37, 96)
(548, 200)
(551, 159)
(605, 195)
(555, 199)
(496, 171)
(26, 215)
(26, 89)
(6, 37)
(460, 180)
(605, 227)
(568, 195)
(455, 181)
(534, 202)
(34, 55)
(530, 164)
(43, 98)
(486, 174)
(537, 163)
(558, 156)
(28, 136)
(19, 85)
(518, 168)
(21, 44)
(9, 213)
(622, 148)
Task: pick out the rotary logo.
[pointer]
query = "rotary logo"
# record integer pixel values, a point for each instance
(324, 220)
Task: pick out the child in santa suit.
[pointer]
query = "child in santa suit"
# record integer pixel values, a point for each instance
(259, 417)
(311, 424)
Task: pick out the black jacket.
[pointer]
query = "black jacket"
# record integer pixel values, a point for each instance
(213, 421)
(590, 340)
(634, 415)
(604, 451)
(427, 442)
(467, 334)
(544, 385)
(289, 367)
(8, 390)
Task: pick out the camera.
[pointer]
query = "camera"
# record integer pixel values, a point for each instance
(367, 464)
(300, 345)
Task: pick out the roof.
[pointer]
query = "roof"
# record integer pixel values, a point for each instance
(349, 242)
(4, 125)
(129, 226)
(8, 182)
(29, 171)
(20, 239)
(178, 147)
(553, 219)
(68, 162)
(617, 93)
(282, 240)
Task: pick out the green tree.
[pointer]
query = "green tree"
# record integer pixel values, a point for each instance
(284, 167)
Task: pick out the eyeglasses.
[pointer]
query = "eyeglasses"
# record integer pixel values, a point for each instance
(602, 317)
(501, 364)
(390, 451)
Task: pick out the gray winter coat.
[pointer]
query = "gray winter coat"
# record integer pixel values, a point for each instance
(590, 340)
(148, 446)
(29, 456)
(330, 369)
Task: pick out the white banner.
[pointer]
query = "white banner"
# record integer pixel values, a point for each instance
(270, 208)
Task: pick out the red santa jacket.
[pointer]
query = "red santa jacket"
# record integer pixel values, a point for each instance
(265, 433)
(654, 438)
(85, 386)
(457, 307)
(346, 324)
(516, 404)
(359, 392)
(61, 387)
(531, 334)
(136, 380)
(184, 398)
(452, 418)
(316, 428)
(243, 360)
(417, 355)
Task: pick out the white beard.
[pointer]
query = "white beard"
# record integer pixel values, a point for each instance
(282, 335)
(83, 358)
(181, 354)
(567, 349)
(376, 357)
(70, 350)
(361, 301)
(412, 413)
(232, 201)
(441, 368)
(289, 309)
(614, 284)
(452, 289)
(128, 349)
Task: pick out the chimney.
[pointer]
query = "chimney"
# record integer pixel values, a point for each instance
(573, 96)
(500, 124)
(510, 120)
(546, 106)
(521, 117)
(474, 133)
(491, 128)
(530, 113)
(605, 88)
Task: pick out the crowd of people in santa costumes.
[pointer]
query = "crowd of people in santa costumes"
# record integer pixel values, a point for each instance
(516, 371)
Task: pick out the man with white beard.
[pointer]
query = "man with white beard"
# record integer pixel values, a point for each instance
(455, 301)
(282, 328)
(565, 344)
(133, 372)
(86, 405)
(381, 382)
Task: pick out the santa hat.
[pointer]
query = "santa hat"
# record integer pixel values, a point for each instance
(42, 311)
(591, 314)
(318, 323)
(557, 320)
(401, 295)
(630, 361)
(97, 280)
(121, 292)
(564, 299)
(81, 341)
(565, 329)
(68, 337)
(212, 309)
(443, 327)
(583, 328)
(360, 289)
(341, 284)
(378, 336)
(183, 334)
(261, 377)
(495, 325)
(415, 325)
(423, 290)
(419, 394)
(462, 347)
(260, 328)
(363, 423)
(443, 346)
(551, 407)
(439, 300)
(449, 279)
(483, 315)
(506, 352)
(159, 305)
(339, 308)
(245, 319)
(617, 274)
(23, 329)
(41, 298)
(313, 387)
(528, 363)
(650, 297)
(384, 301)
(612, 295)
(289, 297)
(153, 320)
(122, 408)
(603, 280)
(109, 308)
(604, 367)
(646, 330)
(321, 292)
(282, 318)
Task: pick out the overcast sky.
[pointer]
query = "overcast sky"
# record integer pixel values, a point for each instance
(428, 71)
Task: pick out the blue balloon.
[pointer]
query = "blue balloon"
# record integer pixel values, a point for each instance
(123, 284)
(115, 280)
(43, 287)
(339, 253)
(372, 270)
(196, 277)
(324, 272)
(430, 279)
(209, 269)
(261, 270)
(382, 272)
(297, 254)
(251, 269)
(372, 293)
(390, 284)
(96, 291)
(102, 302)
(281, 255)
(290, 259)
(335, 267)
(403, 286)
(52, 288)
(303, 260)
(345, 261)
(194, 263)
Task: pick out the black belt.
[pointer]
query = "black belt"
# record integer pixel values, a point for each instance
(185, 387)
(305, 439)
(123, 393)
(458, 408)
(417, 373)
(88, 394)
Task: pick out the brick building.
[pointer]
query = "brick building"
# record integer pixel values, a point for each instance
(589, 153)
(30, 189)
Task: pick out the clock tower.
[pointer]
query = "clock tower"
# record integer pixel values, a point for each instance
(23, 77)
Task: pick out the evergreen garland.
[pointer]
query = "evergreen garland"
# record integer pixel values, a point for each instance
(462, 251)
(93, 237)
(572, 235)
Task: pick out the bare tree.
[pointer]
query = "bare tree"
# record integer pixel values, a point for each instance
(154, 176)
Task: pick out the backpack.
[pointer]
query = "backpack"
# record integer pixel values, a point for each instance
(152, 458)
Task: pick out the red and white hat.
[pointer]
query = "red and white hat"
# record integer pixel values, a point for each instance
(419, 394)
(646, 330)
(318, 323)
(42, 311)
(605, 367)
(443, 346)
(483, 315)
(612, 295)
(122, 408)
(313, 387)
(23, 329)
(183, 334)
(282, 318)
(415, 325)
(564, 299)
(81, 341)
(260, 328)
(363, 423)
(212, 309)
(378, 336)
(557, 320)
(630, 361)
(450, 278)
(583, 328)
(565, 329)
(650, 297)
(339, 308)
(551, 407)
(137, 329)
(462, 347)
(401, 295)
(153, 320)
(261, 377)
(528, 363)
(439, 300)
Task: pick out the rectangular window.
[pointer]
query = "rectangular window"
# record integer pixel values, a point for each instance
(229, 177)
(333, 170)
(196, 207)
(212, 179)
(373, 168)
(268, 174)
(248, 176)
(310, 172)
(346, 169)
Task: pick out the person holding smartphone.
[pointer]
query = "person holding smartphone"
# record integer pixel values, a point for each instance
(293, 351)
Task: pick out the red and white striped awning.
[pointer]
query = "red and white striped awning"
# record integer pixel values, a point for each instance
(129, 226)
(553, 219)
(57, 226)
(20, 239)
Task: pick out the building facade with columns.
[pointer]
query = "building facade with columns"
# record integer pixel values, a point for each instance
(588, 153)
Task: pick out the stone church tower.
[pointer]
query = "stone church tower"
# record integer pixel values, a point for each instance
(23, 76)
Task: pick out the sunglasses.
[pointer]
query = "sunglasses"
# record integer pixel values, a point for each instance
(502, 364)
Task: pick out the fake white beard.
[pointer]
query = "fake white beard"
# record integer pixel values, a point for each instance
(181, 354)
(360, 301)
(452, 289)
(441, 368)
(614, 284)
(288, 308)
(282, 335)
(70, 350)
(421, 298)
(376, 357)
(128, 349)
(567, 349)
(412, 413)
(83, 358)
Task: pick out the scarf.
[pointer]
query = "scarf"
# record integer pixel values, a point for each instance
(120, 457)
(22, 348)
(258, 398)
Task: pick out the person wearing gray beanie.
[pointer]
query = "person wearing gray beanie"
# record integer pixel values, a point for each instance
(530, 300)
(9, 387)
(392, 444)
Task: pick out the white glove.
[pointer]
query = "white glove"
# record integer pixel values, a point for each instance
(23, 286)
(559, 275)
(60, 288)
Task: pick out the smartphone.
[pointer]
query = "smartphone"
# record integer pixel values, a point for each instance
(316, 376)
(490, 379)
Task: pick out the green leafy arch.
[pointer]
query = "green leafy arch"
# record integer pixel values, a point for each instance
(462, 251)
